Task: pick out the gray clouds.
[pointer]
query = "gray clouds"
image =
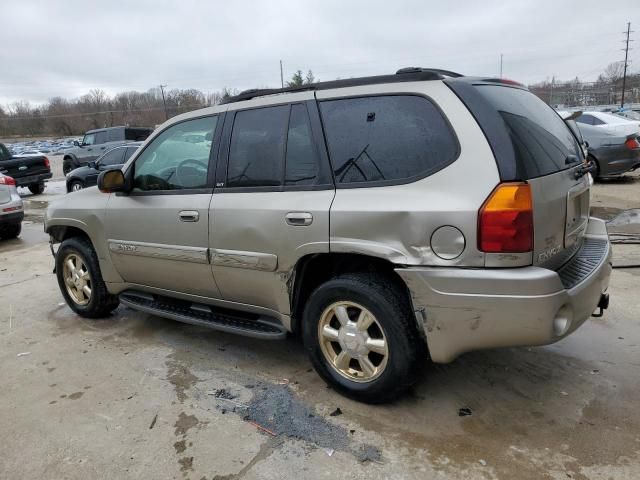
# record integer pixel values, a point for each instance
(65, 48)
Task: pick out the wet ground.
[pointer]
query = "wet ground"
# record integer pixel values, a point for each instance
(136, 396)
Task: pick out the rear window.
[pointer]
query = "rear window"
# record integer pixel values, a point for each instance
(541, 142)
(386, 139)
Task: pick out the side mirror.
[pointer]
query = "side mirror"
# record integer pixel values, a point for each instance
(92, 164)
(76, 143)
(112, 181)
(586, 144)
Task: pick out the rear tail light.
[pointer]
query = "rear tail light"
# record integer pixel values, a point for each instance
(505, 220)
(632, 143)
(47, 163)
(7, 181)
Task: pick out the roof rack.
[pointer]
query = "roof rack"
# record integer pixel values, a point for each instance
(409, 74)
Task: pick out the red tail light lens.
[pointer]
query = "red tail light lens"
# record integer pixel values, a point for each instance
(632, 143)
(7, 181)
(505, 221)
(47, 163)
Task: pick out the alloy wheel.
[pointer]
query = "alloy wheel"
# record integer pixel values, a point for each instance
(77, 279)
(353, 342)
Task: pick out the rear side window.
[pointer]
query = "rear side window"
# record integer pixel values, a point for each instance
(257, 147)
(586, 119)
(113, 157)
(130, 151)
(386, 138)
(541, 142)
(302, 166)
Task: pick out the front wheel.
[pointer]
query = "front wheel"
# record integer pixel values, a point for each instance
(37, 188)
(76, 185)
(80, 280)
(361, 336)
(67, 166)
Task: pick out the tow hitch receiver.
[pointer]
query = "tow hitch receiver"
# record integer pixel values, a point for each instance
(603, 304)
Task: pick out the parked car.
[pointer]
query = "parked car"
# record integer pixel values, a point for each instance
(611, 153)
(29, 153)
(629, 114)
(11, 208)
(87, 176)
(368, 214)
(27, 171)
(610, 123)
(96, 142)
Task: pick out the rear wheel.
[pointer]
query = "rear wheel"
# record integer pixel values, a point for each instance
(80, 280)
(37, 188)
(361, 336)
(11, 230)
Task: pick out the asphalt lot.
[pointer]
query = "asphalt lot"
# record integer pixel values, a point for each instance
(137, 396)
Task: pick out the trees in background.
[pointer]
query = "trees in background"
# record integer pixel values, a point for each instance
(606, 90)
(96, 109)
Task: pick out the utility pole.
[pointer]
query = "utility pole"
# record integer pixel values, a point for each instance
(164, 102)
(626, 57)
(281, 75)
(553, 80)
(500, 65)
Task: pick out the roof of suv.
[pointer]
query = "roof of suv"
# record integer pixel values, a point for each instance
(409, 74)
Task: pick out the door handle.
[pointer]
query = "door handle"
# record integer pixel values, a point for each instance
(299, 219)
(189, 216)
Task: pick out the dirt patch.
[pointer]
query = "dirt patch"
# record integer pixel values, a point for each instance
(185, 423)
(75, 396)
(277, 409)
(180, 377)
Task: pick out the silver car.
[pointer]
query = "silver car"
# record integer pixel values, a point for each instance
(381, 218)
(11, 208)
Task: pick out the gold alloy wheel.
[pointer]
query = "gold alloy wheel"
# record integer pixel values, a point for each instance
(77, 279)
(353, 341)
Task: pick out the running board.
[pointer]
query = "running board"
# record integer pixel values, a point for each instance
(230, 321)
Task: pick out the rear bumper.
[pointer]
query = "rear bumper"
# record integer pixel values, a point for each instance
(31, 179)
(472, 309)
(10, 218)
(613, 167)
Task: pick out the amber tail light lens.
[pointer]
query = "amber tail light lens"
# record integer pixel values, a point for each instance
(505, 220)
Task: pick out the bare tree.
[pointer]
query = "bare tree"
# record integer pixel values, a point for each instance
(614, 71)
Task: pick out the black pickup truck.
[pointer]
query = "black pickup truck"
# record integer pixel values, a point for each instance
(29, 172)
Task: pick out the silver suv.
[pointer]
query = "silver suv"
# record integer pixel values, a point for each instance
(383, 218)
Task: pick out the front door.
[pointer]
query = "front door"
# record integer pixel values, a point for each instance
(271, 203)
(158, 234)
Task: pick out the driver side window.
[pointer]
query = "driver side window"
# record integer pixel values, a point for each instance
(178, 158)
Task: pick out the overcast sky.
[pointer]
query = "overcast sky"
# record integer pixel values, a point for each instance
(65, 48)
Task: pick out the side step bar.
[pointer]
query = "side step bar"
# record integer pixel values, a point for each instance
(247, 324)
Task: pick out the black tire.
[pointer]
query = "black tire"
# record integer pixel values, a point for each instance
(67, 165)
(37, 188)
(11, 230)
(387, 301)
(76, 185)
(596, 174)
(101, 303)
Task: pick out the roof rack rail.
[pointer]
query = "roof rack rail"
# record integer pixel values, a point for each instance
(444, 73)
(410, 74)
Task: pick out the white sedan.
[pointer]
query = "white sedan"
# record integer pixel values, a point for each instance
(610, 122)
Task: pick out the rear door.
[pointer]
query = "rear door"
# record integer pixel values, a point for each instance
(271, 203)
(533, 144)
